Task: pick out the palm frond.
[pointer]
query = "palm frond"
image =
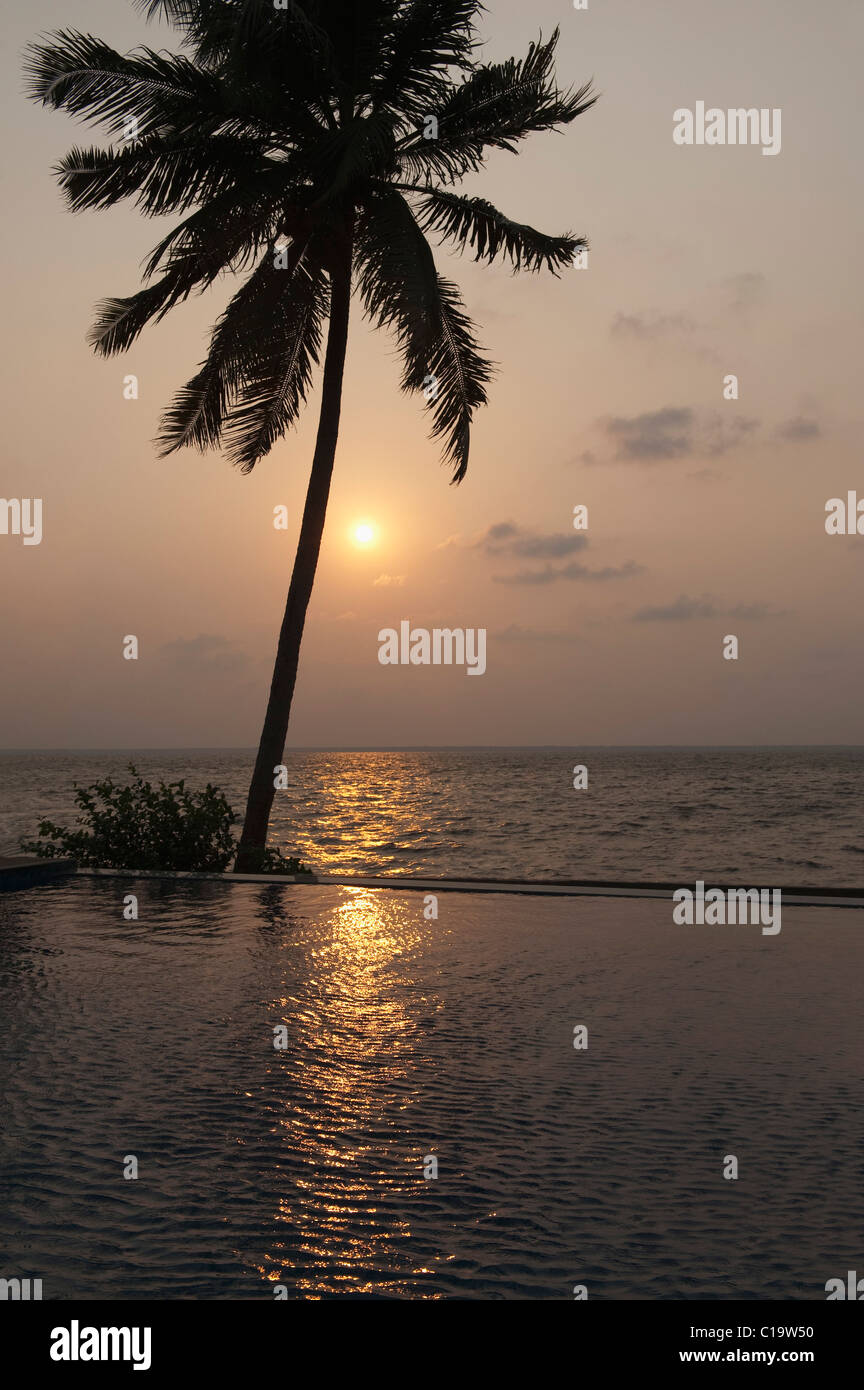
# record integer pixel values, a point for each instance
(359, 32)
(86, 77)
(396, 274)
(277, 376)
(461, 373)
(429, 39)
(213, 239)
(163, 175)
(223, 235)
(197, 413)
(283, 54)
(402, 290)
(475, 223)
(248, 33)
(119, 321)
(496, 106)
(180, 13)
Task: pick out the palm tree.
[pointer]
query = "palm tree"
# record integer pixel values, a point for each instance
(314, 143)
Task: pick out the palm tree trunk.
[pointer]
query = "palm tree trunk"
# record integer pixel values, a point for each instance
(272, 746)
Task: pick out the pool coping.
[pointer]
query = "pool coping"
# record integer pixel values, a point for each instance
(792, 896)
(23, 871)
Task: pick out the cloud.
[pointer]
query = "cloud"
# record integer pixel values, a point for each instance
(801, 428)
(553, 547)
(386, 581)
(685, 610)
(650, 326)
(515, 633)
(658, 434)
(574, 571)
(755, 612)
(206, 652)
(501, 532)
(746, 290)
(676, 432)
(720, 433)
(506, 538)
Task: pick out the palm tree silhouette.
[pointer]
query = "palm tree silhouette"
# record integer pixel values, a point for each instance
(314, 143)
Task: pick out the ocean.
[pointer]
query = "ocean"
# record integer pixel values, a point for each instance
(784, 816)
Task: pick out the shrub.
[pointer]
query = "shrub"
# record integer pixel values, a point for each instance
(143, 827)
(273, 861)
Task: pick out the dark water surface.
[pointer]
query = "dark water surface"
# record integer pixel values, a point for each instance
(768, 816)
(410, 1038)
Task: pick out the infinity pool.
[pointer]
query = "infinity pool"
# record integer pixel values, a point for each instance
(409, 1040)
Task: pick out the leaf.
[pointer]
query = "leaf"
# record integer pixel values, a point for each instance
(475, 223)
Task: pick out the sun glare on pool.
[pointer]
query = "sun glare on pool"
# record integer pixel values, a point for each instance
(364, 533)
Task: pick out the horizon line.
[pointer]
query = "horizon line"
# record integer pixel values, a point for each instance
(438, 748)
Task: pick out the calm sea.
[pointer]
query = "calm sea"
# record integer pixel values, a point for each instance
(784, 816)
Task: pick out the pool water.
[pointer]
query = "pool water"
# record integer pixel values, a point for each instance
(413, 1039)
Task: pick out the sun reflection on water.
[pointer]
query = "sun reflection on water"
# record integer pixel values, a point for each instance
(342, 1100)
(360, 813)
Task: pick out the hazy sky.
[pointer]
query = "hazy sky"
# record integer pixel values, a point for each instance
(706, 515)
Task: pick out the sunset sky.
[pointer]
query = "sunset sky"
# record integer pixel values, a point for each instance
(706, 516)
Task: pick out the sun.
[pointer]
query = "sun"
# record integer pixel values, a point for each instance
(364, 534)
